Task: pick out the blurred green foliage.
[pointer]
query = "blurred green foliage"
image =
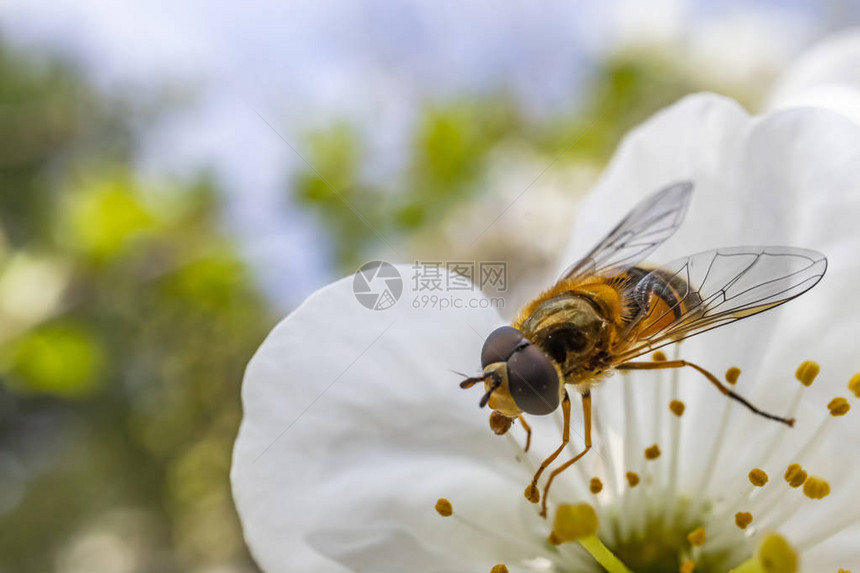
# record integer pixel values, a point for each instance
(126, 320)
(127, 317)
(451, 145)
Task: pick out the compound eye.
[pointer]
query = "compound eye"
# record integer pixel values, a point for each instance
(533, 381)
(499, 346)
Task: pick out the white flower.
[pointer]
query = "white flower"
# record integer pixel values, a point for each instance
(354, 425)
(827, 76)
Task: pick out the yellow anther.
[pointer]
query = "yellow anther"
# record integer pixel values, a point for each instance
(633, 479)
(732, 375)
(554, 539)
(652, 453)
(743, 519)
(659, 356)
(758, 477)
(574, 522)
(816, 488)
(677, 407)
(688, 567)
(499, 569)
(807, 372)
(838, 407)
(776, 555)
(854, 384)
(595, 485)
(444, 507)
(795, 475)
(697, 537)
(844, 571)
(532, 493)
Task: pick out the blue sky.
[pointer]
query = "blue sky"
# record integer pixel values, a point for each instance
(303, 65)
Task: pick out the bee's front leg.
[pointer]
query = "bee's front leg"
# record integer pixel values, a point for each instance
(528, 430)
(532, 493)
(586, 418)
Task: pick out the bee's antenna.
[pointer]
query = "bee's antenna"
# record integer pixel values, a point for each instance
(497, 381)
(470, 380)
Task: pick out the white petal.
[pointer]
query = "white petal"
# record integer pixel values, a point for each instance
(354, 425)
(827, 76)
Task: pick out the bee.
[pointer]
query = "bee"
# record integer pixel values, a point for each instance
(609, 308)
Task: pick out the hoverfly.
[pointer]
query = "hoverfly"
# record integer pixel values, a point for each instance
(608, 309)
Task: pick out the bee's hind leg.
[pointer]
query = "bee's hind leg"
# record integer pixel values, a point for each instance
(528, 430)
(659, 365)
(586, 417)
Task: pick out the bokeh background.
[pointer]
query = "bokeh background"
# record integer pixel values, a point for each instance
(176, 176)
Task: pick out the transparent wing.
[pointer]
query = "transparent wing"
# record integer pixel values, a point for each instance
(646, 227)
(710, 289)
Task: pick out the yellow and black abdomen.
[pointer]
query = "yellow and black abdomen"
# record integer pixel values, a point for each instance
(658, 298)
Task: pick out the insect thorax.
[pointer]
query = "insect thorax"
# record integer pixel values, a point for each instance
(571, 330)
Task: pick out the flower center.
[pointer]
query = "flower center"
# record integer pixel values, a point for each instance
(638, 517)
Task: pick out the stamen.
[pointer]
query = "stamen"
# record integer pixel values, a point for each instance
(677, 407)
(632, 479)
(713, 457)
(758, 477)
(764, 499)
(444, 507)
(838, 407)
(688, 567)
(807, 372)
(697, 537)
(854, 384)
(816, 488)
(595, 485)
(669, 512)
(795, 475)
(631, 502)
(659, 356)
(499, 569)
(743, 519)
(652, 453)
(732, 375)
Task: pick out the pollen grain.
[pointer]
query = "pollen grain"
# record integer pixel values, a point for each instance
(838, 407)
(697, 537)
(795, 475)
(743, 519)
(444, 507)
(652, 453)
(807, 372)
(854, 384)
(732, 375)
(758, 477)
(816, 488)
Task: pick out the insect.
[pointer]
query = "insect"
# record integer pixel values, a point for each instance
(609, 308)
